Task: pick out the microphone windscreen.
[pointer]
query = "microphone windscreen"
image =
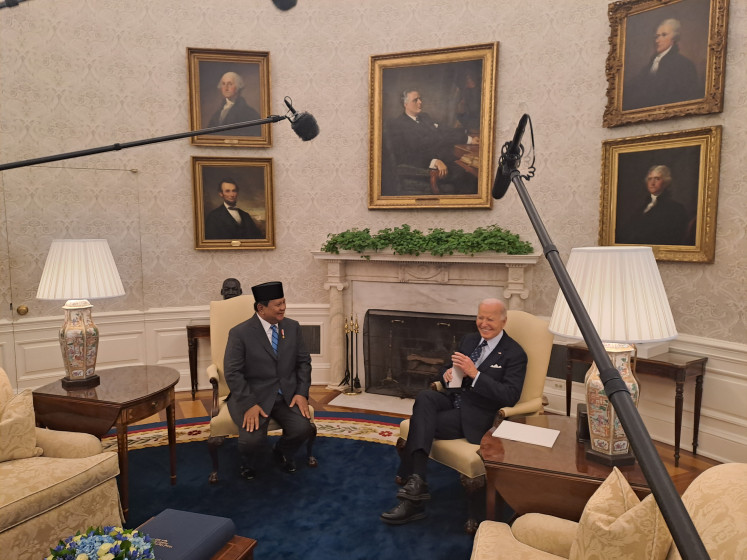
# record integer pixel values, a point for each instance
(305, 126)
(501, 183)
(284, 4)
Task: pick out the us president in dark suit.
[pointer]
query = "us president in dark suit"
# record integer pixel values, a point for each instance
(493, 366)
(228, 221)
(234, 108)
(268, 371)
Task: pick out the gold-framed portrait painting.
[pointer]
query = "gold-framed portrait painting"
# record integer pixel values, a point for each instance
(233, 203)
(432, 119)
(666, 59)
(229, 87)
(661, 190)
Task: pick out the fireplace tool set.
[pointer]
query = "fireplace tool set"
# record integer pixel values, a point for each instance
(351, 357)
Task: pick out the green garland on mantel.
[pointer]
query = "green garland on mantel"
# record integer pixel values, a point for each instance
(405, 240)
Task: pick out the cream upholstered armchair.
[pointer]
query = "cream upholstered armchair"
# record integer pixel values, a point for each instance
(615, 524)
(459, 454)
(224, 315)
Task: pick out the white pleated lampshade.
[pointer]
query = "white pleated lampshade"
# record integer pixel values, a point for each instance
(623, 294)
(79, 269)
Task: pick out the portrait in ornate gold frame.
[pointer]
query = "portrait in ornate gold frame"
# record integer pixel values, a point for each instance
(233, 203)
(437, 151)
(666, 59)
(242, 78)
(681, 170)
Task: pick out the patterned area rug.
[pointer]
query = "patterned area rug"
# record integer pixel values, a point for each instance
(364, 427)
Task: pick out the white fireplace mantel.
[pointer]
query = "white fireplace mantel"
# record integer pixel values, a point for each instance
(489, 274)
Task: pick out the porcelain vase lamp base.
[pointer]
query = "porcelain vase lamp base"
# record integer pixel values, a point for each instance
(608, 443)
(79, 341)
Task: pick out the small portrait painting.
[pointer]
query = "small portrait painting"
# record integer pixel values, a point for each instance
(661, 190)
(666, 59)
(233, 203)
(229, 87)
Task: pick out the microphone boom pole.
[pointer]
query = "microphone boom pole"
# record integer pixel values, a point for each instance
(125, 145)
(685, 536)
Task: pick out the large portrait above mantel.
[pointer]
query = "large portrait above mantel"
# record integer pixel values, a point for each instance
(432, 127)
(666, 59)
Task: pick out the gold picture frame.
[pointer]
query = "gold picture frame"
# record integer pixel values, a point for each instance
(447, 162)
(243, 183)
(681, 224)
(666, 59)
(209, 70)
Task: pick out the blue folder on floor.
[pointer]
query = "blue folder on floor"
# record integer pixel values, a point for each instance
(178, 535)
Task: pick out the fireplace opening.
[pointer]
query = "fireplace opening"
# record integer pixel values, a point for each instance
(405, 351)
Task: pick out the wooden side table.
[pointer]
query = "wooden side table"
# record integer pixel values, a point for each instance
(125, 395)
(193, 333)
(677, 367)
(556, 480)
(238, 548)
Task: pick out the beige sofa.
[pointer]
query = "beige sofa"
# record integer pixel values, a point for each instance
(615, 524)
(52, 484)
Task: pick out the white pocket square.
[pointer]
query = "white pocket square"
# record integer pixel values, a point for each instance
(496, 366)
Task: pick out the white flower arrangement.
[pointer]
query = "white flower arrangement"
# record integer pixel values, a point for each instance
(107, 543)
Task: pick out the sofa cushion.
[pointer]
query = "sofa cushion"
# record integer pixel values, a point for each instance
(34, 485)
(17, 428)
(616, 524)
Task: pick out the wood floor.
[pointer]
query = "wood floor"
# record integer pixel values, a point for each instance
(319, 397)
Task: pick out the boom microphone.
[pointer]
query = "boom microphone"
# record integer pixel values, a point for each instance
(303, 124)
(510, 160)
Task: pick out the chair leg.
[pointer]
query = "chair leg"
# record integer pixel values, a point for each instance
(312, 462)
(213, 444)
(475, 489)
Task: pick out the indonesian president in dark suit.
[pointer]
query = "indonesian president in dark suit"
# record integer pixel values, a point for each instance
(491, 366)
(268, 371)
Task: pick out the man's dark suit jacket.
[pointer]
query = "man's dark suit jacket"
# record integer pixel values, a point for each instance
(240, 112)
(675, 80)
(219, 224)
(417, 144)
(499, 384)
(253, 371)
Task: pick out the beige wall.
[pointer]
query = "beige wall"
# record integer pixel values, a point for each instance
(77, 74)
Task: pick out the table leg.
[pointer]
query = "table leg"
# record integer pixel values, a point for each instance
(568, 386)
(678, 400)
(698, 402)
(171, 422)
(489, 499)
(192, 345)
(124, 478)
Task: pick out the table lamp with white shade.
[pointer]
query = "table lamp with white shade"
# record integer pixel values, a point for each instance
(77, 270)
(624, 296)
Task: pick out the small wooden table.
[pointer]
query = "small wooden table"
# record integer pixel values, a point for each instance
(677, 367)
(238, 548)
(556, 481)
(124, 396)
(193, 333)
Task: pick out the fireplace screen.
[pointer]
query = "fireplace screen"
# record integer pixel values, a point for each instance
(405, 351)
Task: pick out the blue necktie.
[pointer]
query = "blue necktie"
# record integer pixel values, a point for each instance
(474, 356)
(477, 352)
(274, 329)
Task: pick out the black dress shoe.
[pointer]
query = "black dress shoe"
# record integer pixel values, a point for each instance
(415, 489)
(247, 473)
(404, 512)
(285, 464)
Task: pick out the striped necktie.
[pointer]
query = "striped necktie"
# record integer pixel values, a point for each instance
(274, 329)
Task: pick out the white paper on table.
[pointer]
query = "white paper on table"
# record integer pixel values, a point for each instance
(526, 434)
(456, 377)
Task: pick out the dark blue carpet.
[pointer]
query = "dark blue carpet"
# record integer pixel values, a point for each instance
(330, 512)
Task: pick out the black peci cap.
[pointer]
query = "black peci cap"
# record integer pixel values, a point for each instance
(268, 291)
